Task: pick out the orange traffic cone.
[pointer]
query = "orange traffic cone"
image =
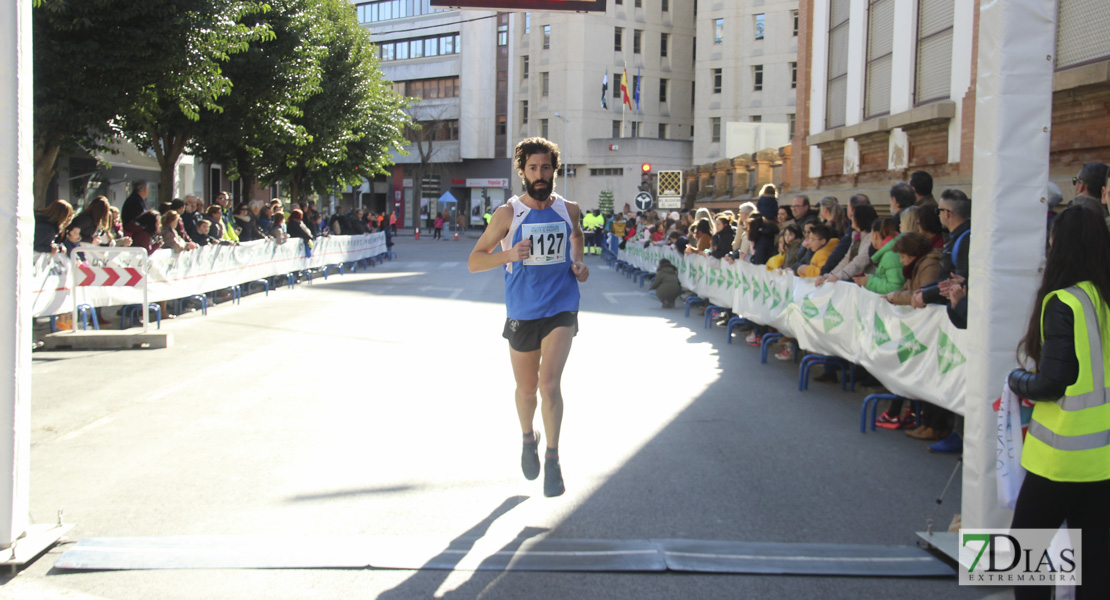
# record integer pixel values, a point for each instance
(418, 233)
(456, 235)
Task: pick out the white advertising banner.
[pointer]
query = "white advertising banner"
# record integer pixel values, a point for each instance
(914, 353)
(182, 274)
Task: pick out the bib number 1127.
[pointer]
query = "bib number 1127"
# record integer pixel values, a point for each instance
(548, 242)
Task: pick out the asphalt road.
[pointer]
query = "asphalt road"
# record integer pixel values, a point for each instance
(381, 404)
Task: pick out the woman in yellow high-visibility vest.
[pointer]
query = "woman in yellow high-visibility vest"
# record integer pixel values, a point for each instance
(1067, 450)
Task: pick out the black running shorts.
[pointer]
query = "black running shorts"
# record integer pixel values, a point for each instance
(525, 336)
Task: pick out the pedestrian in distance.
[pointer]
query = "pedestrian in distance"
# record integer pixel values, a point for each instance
(542, 256)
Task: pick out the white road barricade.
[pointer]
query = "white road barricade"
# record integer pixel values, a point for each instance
(914, 353)
(183, 274)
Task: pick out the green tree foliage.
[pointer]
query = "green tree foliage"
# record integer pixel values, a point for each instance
(350, 123)
(271, 83)
(86, 54)
(182, 44)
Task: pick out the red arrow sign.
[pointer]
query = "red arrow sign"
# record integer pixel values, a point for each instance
(136, 277)
(113, 275)
(90, 274)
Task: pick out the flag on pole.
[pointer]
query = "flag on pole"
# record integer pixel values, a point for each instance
(627, 99)
(637, 91)
(605, 89)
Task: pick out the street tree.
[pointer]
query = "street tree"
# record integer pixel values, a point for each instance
(271, 83)
(87, 54)
(350, 124)
(185, 43)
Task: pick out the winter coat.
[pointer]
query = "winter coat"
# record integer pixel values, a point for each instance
(888, 275)
(922, 271)
(820, 257)
(857, 263)
(140, 238)
(666, 282)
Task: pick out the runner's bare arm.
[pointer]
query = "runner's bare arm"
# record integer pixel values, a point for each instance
(482, 258)
(577, 243)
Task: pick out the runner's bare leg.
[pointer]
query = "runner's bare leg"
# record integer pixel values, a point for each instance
(526, 370)
(554, 350)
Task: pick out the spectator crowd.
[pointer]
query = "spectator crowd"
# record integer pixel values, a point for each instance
(917, 256)
(184, 225)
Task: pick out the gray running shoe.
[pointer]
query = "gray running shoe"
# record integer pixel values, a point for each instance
(552, 478)
(530, 459)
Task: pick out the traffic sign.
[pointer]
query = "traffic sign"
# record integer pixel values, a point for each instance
(644, 201)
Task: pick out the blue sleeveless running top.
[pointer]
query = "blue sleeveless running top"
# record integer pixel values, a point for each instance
(541, 285)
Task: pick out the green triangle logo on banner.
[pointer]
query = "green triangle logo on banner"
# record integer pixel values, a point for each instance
(744, 282)
(832, 318)
(880, 336)
(948, 355)
(777, 297)
(731, 279)
(809, 309)
(908, 346)
(766, 293)
(859, 323)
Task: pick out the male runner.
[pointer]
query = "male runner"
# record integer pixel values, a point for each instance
(541, 250)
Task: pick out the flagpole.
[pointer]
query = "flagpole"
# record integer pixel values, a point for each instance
(624, 91)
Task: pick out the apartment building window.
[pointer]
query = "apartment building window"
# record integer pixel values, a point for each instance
(616, 83)
(424, 89)
(420, 47)
(662, 131)
(608, 172)
(524, 67)
(790, 124)
(528, 22)
(545, 81)
(880, 48)
(666, 5)
(546, 37)
(760, 24)
(715, 129)
(793, 75)
(524, 112)
(664, 41)
(757, 78)
(439, 131)
(717, 81)
(934, 50)
(1081, 28)
(663, 90)
(718, 31)
(616, 129)
(794, 16)
(837, 91)
(385, 10)
(635, 129)
(543, 128)
(618, 2)
(618, 39)
(755, 119)
(503, 34)
(639, 3)
(637, 35)
(501, 124)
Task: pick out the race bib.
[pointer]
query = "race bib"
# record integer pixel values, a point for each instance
(549, 242)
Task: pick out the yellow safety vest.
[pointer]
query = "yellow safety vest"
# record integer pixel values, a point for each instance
(1069, 439)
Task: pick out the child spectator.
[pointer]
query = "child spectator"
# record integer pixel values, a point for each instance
(171, 237)
(704, 240)
(822, 244)
(666, 282)
(888, 275)
(921, 265)
(789, 242)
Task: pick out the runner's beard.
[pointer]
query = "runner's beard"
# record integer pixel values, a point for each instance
(541, 194)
